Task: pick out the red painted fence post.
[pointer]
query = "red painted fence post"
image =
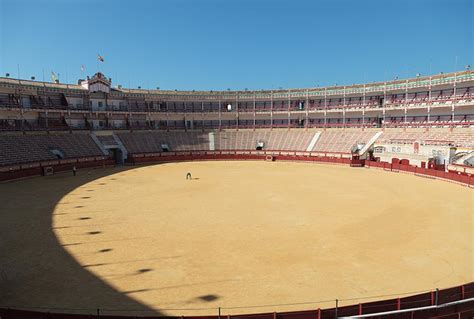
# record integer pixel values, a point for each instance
(318, 314)
(360, 309)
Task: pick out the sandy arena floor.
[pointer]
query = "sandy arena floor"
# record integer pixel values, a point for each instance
(238, 234)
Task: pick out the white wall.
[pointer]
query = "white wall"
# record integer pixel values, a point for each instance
(408, 151)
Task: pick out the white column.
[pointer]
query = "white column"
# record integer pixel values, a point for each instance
(344, 98)
(289, 107)
(254, 111)
(429, 101)
(202, 115)
(325, 106)
(167, 116)
(453, 104)
(237, 109)
(406, 100)
(306, 109)
(220, 116)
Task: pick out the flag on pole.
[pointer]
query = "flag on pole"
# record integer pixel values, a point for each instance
(100, 58)
(54, 77)
(82, 67)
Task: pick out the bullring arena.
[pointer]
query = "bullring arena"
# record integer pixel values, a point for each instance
(302, 205)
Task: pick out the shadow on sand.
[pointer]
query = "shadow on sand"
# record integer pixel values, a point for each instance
(35, 269)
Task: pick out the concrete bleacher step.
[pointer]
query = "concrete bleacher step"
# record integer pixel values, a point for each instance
(212, 145)
(469, 157)
(313, 141)
(370, 142)
(99, 144)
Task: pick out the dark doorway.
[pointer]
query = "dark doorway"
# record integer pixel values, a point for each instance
(117, 155)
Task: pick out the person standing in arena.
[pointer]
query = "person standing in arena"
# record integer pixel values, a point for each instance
(74, 170)
(188, 176)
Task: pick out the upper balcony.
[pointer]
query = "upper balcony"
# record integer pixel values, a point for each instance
(100, 83)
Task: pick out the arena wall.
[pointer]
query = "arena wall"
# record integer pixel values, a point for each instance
(432, 304)
(35, 169)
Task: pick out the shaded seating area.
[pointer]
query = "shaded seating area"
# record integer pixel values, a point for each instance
(18, 149)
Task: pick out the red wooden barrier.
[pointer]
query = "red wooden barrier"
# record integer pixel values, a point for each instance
(420, 171)
(32, 169)
(36, 169)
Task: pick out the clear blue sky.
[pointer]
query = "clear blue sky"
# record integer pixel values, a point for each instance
(237, 44)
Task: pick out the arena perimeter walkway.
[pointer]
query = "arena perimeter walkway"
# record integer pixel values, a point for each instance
(238, 234)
